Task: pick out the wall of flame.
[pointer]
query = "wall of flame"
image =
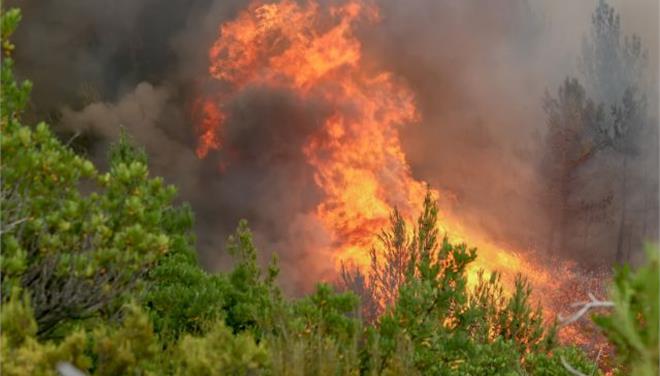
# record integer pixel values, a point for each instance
(357, 155)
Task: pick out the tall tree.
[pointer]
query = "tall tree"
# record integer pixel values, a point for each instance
(571, 141)
(600, 141)
(613, 65)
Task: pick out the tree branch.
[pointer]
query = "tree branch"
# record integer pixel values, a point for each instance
(585, 307)
(570, 368)
(9, 226)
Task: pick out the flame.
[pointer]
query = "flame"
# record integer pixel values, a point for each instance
(210, 119)
(359, 163)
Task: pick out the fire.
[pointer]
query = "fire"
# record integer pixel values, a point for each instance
(211, 119)
(359, 163)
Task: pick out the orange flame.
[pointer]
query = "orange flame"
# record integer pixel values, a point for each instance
(360, 165)
(210, 120)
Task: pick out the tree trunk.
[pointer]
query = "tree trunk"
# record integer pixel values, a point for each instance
(557, 235)
(585, 235)
(622, 221)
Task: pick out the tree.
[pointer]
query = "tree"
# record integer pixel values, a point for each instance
(390, 261)
(434, 323)
(592, 125)
(78, 241)
(181, 297)
(76, 253)
(611, 62)
(22, 353)
(572, 140)
(357, 282)
(317, 335)
(221, 352)
(614, 66)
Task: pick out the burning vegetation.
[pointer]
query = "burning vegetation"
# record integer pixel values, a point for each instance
(419, 224)
(356, 154)
(357, 157)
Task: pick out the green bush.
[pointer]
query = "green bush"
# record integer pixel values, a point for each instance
(220, 352)
(75, 239)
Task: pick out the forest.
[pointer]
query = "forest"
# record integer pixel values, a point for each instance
(100, 269)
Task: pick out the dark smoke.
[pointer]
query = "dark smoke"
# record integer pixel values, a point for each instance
(479, 70)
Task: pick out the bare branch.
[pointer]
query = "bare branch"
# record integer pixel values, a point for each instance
(600, 351)
(75, 135)
(574, 371)
(584, 308)
(570, 368)
(9, 226)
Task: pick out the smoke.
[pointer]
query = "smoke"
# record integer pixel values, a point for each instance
(480, 89)
(478, 69)
(273, 186)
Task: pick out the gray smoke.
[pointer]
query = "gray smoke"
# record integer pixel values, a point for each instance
(479, 70)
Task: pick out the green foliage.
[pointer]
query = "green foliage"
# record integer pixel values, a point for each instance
(317, 336)
(550, 364)
(325, 313)
(9, 23)
(494, 315)
(22, 353)
(632, 326)
(17, 319)
(390, 264)
(251, 297)
(124, 152)
(438, 325)
(523, 325)
(75, 251)
(131, 349)
(183, 298)
(495, 358)
(221, 352)
(13, 95)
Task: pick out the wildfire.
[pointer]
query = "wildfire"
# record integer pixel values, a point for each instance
(359, 163)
